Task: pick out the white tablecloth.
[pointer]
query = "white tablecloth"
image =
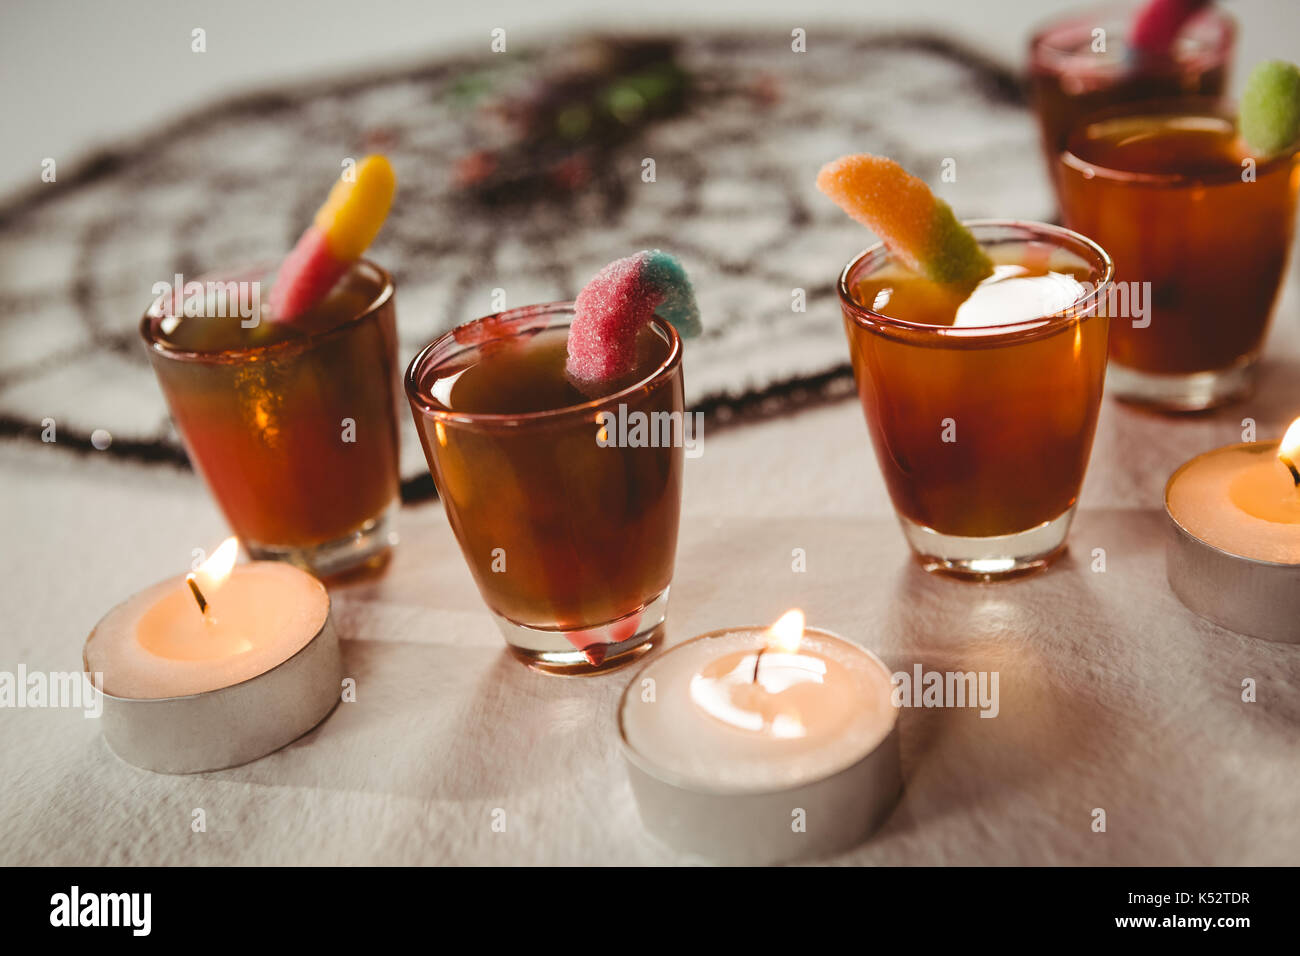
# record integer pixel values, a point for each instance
(1112, 694)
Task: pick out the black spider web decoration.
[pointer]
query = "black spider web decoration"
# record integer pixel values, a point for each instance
(523, 173)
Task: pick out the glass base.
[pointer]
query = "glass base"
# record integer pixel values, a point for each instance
(367, 547)
(1192, 392)
(989, 559)
(588, 650)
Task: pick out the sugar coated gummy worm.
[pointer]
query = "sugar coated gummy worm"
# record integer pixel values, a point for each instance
(343, 229)
(919, 229)
(620, 301)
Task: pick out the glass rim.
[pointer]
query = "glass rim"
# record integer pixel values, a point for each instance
(996, 335)
(1044, 53)
(419, 365)
(302, 343)
(1204, 106)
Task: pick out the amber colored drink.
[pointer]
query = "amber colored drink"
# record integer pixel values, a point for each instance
(571, 540)
(982, 410)
(1168, 189)
(1074, 70)
(293, 427)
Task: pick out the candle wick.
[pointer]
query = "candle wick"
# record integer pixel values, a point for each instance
(1291, 467)
(757, 659)
(198, 595)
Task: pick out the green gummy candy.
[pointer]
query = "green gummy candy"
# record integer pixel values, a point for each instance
(954, 257)
(1270, 107)
(678, 308)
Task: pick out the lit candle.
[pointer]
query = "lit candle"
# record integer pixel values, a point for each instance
(1234, 551)
(216, 667)
(751, 744)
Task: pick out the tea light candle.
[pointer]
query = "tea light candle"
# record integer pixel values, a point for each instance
(1234, 545)
(756, 745)
(215, 668)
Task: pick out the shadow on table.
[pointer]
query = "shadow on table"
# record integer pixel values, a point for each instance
(1059, 706)
(1143, 447)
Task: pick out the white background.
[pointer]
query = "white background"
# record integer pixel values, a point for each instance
(77, 73)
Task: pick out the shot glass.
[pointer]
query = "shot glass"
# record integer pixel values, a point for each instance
(296, 436)
(983, 433)
(1200, 237)
(569, 533)
(1080, 64)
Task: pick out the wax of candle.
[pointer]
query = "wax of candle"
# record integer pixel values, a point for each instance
(1240, 499)
(1266, 490)
(712, 723)
(159, 644)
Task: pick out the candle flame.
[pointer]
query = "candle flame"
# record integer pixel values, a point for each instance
(1289, 449)
(214, 571)
(788, 726)
(786, 634)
